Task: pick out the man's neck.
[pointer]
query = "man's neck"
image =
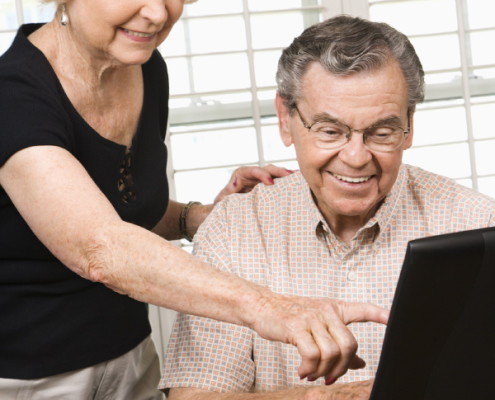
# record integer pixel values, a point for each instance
(345, 227)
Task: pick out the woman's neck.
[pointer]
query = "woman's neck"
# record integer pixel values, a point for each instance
(72, 61)
(108, 97)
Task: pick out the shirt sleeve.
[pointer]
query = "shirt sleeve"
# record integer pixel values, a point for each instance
(203, 353)
(31, 113)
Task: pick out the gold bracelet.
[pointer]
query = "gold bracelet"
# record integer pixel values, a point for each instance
(183, 218)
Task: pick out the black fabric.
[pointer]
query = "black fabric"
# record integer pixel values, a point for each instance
(52, 320)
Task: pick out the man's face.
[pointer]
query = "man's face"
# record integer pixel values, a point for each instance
(349, 182)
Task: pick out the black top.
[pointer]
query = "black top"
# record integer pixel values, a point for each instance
(52, 320)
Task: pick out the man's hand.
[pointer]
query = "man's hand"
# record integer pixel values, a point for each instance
(360, 390)
(347, 391)
(317, 327)
(243, 179)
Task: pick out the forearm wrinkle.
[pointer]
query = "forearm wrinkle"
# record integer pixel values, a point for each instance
(133, 261)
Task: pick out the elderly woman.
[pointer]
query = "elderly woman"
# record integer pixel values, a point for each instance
(85, 216)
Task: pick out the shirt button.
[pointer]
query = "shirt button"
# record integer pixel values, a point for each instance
(351, 276)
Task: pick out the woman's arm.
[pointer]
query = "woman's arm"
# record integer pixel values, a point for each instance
(242, 180)
(169, 226)
(75, 221)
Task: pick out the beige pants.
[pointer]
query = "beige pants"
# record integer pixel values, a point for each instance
(132, 376)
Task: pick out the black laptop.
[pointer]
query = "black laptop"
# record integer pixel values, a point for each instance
(440, 340)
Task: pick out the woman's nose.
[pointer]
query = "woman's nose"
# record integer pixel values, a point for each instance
(155, 11)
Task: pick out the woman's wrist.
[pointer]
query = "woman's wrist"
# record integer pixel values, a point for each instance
(191, 217)
(184, 227)
(255, 303)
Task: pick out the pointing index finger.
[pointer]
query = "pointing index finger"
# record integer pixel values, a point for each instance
(363, 312)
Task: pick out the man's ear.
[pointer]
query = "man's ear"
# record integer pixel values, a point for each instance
(409, 138)
(283, 120)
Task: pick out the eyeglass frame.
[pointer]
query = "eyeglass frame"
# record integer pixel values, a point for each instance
(362, 131)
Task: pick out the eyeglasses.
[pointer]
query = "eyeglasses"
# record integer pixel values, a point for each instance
(384, 136)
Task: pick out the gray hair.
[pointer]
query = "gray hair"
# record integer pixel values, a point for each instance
(344, 45)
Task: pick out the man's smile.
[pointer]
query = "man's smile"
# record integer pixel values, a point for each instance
(350, 179)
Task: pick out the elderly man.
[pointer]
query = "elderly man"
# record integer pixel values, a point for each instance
(347, 91)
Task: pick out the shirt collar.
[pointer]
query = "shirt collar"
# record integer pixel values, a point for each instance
(389, 206)
(317, 219)
(376, 224)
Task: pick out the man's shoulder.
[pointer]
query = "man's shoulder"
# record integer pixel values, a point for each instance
(265, 205)
(268, 198)
(434, 187)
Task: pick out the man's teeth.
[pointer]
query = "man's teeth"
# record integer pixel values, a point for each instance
(138, 34)
(352, 180)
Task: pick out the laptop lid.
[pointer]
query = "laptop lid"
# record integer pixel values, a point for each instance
(440, 339)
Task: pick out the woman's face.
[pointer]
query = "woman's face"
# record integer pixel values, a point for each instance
(121, 31)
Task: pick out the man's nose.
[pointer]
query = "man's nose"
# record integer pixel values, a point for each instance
(355, 153)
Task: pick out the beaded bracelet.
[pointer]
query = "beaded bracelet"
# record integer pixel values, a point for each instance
(183, 218)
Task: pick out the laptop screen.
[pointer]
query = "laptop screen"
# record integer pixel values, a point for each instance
(440, 339)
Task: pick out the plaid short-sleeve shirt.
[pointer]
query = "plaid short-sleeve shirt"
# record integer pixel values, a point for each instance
(275, 236)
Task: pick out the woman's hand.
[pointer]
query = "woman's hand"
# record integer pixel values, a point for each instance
(244, 179)
(317, 327)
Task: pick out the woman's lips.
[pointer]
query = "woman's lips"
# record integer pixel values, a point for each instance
(138, 36)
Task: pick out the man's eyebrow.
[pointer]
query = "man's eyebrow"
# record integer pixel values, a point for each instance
(325, 117)
(392, 120)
